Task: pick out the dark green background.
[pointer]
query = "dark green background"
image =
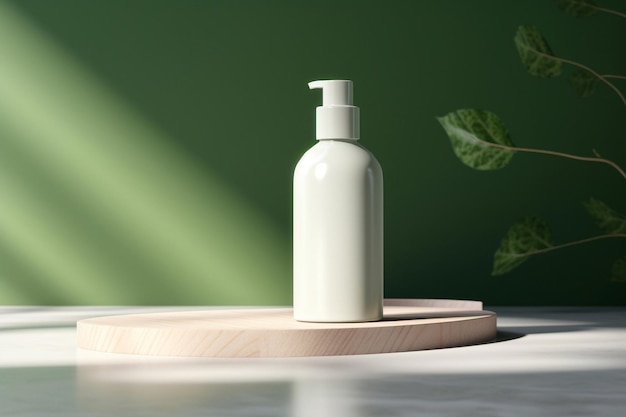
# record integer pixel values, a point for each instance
(226, 81)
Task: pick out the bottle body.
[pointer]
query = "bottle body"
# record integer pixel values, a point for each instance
(338, 234)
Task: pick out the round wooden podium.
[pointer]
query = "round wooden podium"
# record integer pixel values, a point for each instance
(408, 325)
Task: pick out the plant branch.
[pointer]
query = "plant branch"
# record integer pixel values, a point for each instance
(586, 68)
(561, 154)
(602, 9)
(621, 77)
(574, 243)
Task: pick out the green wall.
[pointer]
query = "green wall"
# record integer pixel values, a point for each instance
(147, 147)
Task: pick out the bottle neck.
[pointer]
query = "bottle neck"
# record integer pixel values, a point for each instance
(355, 141)
(337, 122)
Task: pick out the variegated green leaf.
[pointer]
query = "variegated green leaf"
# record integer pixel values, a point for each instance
(530, 234)
(471, 131)
(618, 272)
(607, 219)
(536, 54)
(583, 81)
(577, 8)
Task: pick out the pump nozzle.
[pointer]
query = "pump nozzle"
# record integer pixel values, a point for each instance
(335, 92)
(337, 118)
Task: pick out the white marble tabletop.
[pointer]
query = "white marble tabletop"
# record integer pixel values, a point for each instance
(557, 361)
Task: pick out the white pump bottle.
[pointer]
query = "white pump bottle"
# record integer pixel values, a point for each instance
(338, 218)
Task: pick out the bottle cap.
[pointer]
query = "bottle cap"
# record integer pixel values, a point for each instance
(336, 118)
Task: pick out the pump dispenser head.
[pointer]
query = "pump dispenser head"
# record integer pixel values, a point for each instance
(337, 118)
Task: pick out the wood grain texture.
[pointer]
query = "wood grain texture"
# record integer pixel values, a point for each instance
(407, 325)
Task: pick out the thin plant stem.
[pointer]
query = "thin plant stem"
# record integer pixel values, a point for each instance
(561, 154)
(602, 9)
(568, 244)
(621, 77)
(600, 77)
(579, 65)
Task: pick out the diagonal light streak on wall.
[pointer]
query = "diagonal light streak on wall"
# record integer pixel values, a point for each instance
(61, 225)
(199, 234)
(47, 237)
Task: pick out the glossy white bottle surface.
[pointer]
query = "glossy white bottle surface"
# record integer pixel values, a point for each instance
(338, 229)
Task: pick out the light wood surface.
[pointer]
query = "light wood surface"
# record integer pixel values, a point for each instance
(407, 325)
